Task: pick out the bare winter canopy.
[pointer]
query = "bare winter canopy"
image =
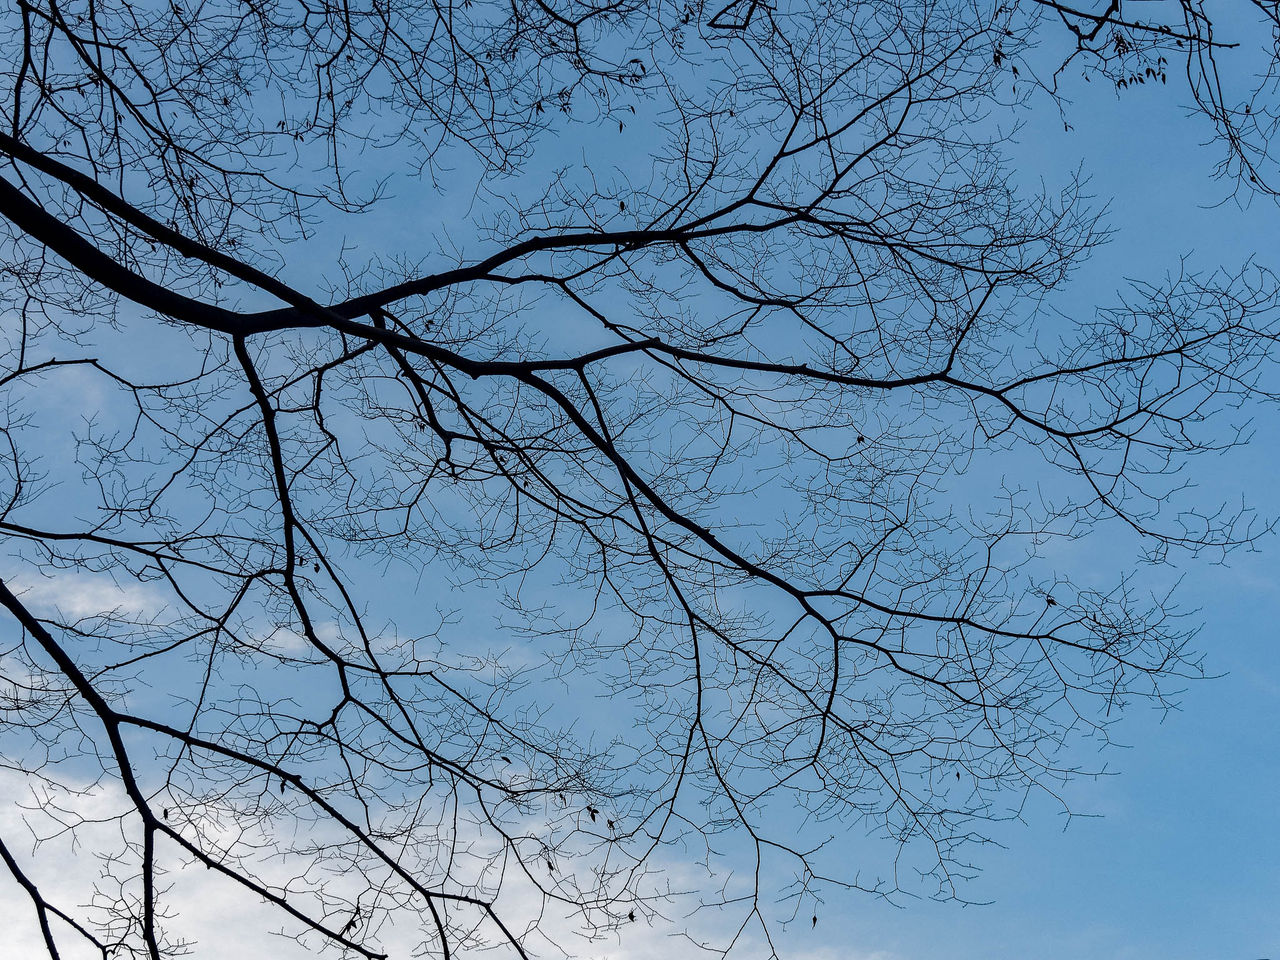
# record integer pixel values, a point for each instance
(477, 471)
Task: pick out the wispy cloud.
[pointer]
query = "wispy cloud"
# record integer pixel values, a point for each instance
(79, 595)
(222, 922)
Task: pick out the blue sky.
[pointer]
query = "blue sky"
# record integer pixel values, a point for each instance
(1177, 855)
(1182, 860)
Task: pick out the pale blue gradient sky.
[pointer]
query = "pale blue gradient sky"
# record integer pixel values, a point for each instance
(1176, 856)
(1183, 860)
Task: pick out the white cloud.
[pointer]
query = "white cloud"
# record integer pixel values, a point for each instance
(79, 595)
(224, 923)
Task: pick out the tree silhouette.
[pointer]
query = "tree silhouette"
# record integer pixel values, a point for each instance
(675, 359)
